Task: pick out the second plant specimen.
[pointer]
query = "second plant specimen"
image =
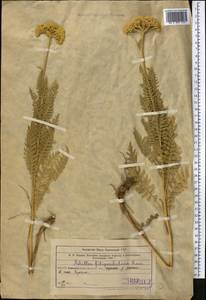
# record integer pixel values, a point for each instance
(43, 163)
(159, 146)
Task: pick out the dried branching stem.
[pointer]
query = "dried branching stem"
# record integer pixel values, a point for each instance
(32, 250)
(158, 146)
(137, 226)
(166, 212)
(43, 163)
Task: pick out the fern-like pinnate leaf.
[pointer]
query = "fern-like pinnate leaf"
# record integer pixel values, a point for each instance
(143, 183)
(43, 100)
(43, 164)
(39, 141)
(177, 183)
(49, 172)
(158, 146)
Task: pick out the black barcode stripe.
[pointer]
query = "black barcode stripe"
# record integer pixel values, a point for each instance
(177, 16)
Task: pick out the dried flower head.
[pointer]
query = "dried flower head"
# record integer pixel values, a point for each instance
(52, 30)
(142, 24)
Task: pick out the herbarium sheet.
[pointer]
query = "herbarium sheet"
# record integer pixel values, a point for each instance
(97, 193)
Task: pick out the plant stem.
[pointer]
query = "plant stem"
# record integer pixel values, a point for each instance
(137, 226)
(169, 228)
(143, 55)
(47, 56)
(31, 249)
(42, 230)
(166, 213)
(31, 232)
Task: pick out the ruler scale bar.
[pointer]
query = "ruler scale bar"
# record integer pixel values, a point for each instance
(198, 75)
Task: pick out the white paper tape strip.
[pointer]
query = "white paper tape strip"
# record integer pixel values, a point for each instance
(135, 234)
(124, 166)
(169, 165)
(66, 154)
(140, 60)
(166, 218)
(117, 200)
(44, 123)
(41, 223)
(153, 113)
(31, 268)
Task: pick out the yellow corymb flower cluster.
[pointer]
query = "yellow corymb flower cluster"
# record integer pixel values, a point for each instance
(52, 30)
(142, 24)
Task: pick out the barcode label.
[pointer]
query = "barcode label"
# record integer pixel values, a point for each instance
(176, 16)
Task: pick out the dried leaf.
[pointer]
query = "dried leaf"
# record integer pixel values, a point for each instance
(43, 164)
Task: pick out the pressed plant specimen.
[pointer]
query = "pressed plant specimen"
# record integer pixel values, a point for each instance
(43, 162)
(158, 146)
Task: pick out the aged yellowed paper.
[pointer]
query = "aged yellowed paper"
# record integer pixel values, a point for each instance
(98, 101)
